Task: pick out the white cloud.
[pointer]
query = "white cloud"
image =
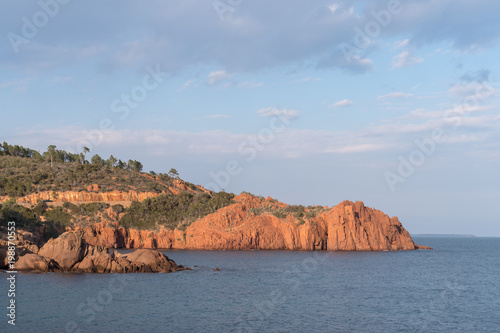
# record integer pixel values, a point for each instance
(348, 61)
(89, 52)
(359, 148)
(464, 139)
(402, 43)
(309, 79)
(186, 85)
(275, 112)
(250, 84)
(341, 104)
(452, 120)
(396, 135)
(482, 122)
(217, 76)
(156, 139)
(333, 7)
(216, 116)
(480, 90)
(138, 51)
(455, 111)
(405, 59)
(439, 51)
(395, 95)
(17, 84)
(360, 63)
(165, 35)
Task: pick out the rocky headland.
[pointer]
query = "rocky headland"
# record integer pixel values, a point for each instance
(68, 214)
(348, 226)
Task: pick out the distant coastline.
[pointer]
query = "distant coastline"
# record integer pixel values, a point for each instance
(443, 235)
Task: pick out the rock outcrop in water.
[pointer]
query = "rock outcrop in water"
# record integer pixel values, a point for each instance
(67, 249)
(346, 227)
(69, 252)
(35, 262)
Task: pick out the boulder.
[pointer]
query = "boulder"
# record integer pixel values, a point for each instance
(70, 252)
(67, 249)
(154, 260)
(34, 262)
(98, 263)
(22, 247)
(140, 261)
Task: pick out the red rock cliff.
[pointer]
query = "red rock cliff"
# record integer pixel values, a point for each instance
(346, 227)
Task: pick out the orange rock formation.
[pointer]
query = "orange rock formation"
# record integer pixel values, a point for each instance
(346, 227)
(71, 196)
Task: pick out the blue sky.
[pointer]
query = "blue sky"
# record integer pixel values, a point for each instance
(394, 103)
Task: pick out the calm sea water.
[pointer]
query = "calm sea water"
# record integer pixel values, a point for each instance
(454, 288)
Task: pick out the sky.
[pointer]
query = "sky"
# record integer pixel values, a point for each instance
(393, 103)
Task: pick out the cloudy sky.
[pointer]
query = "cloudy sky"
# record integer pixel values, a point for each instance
(395, 103)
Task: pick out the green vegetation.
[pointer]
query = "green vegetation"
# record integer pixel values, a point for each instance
(24, 217)
(173, 173)
(54, 220)
(86, 209)
(24, 171)
(90, 213)
(299, 212)
(28, 219)
(173, 211)
(118, 209)
(58, 216)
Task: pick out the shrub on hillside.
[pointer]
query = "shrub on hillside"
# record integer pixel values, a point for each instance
(173, 211)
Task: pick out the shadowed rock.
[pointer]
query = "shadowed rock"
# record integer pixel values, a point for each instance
(156, 261)
(69, 252)
(66, 250)
(35, 262)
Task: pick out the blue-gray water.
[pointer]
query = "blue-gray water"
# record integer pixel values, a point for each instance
(454, 288)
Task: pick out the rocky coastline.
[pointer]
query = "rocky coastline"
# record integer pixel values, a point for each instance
(243, 225)
(348, 226)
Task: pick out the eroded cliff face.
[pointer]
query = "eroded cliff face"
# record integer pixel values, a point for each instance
(71, 196)
(93, 194)
(346, 227)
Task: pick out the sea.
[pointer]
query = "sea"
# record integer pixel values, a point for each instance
(453, 288)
